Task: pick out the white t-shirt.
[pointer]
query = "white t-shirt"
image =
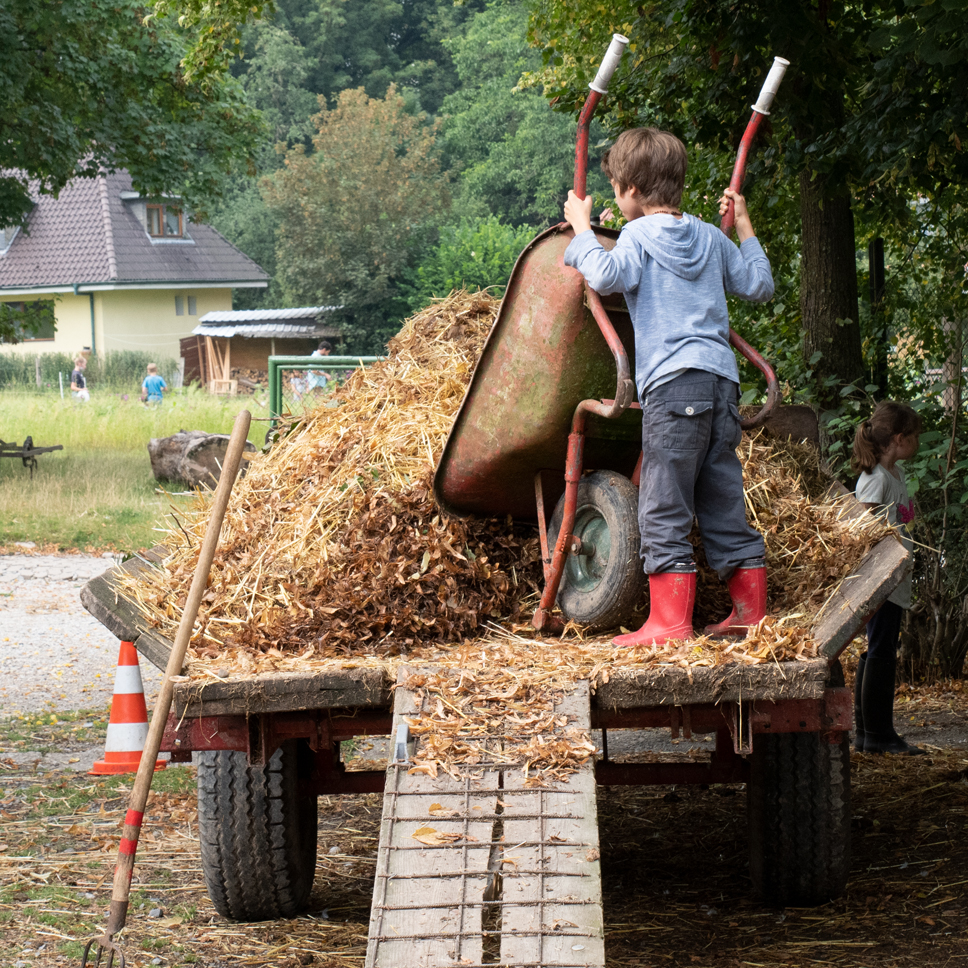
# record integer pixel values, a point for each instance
(881, 487)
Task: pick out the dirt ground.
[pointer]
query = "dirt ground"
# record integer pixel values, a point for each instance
(674, 870)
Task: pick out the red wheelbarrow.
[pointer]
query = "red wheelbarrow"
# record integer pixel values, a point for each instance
(561, 355)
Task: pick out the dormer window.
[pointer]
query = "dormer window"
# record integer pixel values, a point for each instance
(7, 236)
(165, 222)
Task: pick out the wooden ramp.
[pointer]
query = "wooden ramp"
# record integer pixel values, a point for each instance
(502, 875)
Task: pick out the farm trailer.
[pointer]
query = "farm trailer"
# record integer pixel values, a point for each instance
(269, 745)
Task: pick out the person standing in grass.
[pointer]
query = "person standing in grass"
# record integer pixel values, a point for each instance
(154, 386)
(79, 389)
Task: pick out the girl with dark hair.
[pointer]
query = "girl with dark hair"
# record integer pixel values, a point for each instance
(888, 436)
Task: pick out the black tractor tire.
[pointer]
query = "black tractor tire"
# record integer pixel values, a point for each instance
(798, 797)
(602, 590)
(257, 830)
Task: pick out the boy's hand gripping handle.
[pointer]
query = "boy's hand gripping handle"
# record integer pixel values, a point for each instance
(598, 87)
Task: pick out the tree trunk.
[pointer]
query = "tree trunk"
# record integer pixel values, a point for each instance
(828, 289)
(192, 457)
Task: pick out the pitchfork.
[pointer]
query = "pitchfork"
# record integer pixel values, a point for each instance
(106, 945)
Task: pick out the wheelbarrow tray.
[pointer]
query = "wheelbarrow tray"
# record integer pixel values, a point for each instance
(544, 355)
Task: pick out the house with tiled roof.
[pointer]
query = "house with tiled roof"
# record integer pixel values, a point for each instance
(118, 271)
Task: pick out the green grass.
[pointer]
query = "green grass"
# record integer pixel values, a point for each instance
(99, 492)
(54, 732)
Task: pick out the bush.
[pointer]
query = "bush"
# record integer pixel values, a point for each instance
(473, 255)
(116, 369)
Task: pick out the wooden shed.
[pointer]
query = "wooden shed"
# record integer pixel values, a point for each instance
(245, 339)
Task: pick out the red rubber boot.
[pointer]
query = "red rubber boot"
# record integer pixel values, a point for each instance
(747, 588)
(672, 595)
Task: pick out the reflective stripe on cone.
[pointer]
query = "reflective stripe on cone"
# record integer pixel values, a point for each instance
(128, 725)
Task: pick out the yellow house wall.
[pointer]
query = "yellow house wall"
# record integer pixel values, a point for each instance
(73, 332)
(145, 320)
(128, 319)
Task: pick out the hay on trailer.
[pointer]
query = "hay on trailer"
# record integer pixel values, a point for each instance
(333, 547)
(333, 551)
(332, 543)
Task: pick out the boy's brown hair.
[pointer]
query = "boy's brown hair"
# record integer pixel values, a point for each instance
(653, 161)
(152, 367)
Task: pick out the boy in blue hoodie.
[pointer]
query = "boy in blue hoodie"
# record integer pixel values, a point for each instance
(675, 271)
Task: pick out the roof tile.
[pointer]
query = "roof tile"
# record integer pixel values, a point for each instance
(88, 235)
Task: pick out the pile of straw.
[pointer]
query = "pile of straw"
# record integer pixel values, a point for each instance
(333, 545)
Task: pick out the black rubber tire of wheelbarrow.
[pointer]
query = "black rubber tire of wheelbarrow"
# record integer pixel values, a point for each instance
(257, 830)
(618, 593)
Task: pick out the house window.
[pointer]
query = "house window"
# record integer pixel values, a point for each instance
(165, 222)
(7, 236)
(192, 306)
(179, 305)
(32, 322)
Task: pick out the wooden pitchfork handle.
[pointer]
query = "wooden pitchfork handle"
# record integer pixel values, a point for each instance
(117, 913)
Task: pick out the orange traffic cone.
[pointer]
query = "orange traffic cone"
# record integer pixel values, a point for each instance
(128, 725)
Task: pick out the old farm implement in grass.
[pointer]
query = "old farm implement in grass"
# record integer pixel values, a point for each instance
(27, 452)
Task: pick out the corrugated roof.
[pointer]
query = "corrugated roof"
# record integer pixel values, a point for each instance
(267, 330)
(265, 315)
(90, 236)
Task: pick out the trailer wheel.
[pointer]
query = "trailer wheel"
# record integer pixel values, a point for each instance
(798, 798)
(257, 831)
(602, 589)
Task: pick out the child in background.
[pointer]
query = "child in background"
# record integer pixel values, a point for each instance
(79, 389)
(675, 271)
(154, 386)
(889, 436)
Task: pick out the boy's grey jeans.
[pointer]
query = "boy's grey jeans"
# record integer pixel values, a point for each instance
(690, 432)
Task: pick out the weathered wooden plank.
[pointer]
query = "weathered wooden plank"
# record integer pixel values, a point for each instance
(273, 692)
(552, 886)
(860, 595)
(428, 900)
(675, 686)
(101, 597)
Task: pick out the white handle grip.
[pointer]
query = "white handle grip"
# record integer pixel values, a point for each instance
(771, 85)
(612, 57)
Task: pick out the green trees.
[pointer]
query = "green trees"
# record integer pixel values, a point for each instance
(508, 157)
(88, 84)
(351, 214)
(514, 156)
(475, 254)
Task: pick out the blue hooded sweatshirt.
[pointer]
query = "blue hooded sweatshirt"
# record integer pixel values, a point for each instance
(675, 274)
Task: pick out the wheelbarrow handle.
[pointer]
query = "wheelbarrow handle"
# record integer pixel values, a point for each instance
(772, 386)
(598, 87)
(760, 110)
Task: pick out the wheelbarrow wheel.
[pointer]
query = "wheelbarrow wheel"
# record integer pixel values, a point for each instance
(603, 586)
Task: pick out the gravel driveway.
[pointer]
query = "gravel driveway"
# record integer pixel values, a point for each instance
(54, 656)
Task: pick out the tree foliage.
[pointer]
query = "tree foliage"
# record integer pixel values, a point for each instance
(474, 255)
(514, 156)
(89, 85)
(353, 212)
(364, 43)
(696, 67)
